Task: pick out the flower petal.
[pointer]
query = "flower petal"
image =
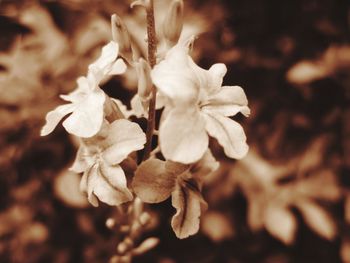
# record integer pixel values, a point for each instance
(175, 77)
(182, 136)
(188, 206)
(228, 102)
(105, 183)
(123, 138)
(217, 73)
(108, 55)
(54, 117)
(137, 108)
(229, 134)
(118, 67)
(206, 165)
(153, 182)
(77, 94)
(86, 120)
(80, 163)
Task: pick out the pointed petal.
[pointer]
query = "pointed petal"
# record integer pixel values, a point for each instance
(77, 94)
(182, 136)
(217, 73)
(54, 117)
(118, 67)
(87, 184)
(137, 108)
(188, 207)
(228, 102)
(153, 182)
(108, 55)
(123, 138)
(86, 120)
(230, 135)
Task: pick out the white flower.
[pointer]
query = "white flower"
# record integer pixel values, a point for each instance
(99, 158)
(198, 106)
(86, 107)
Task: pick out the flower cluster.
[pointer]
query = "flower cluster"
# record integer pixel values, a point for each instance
(195, 106)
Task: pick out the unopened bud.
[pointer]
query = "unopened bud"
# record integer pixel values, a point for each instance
(110, 223)
(138, 207)
(145, 246)
(124, 246)
(112, 110)
(121, 35)
(144, 3)
(144, 218)
(173, 22)
(144, 81)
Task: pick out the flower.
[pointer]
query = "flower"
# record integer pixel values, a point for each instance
(156, 180)
(98, 158)
(197, 106)
(87, 100)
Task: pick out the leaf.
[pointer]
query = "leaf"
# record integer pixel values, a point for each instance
(188, 206)
(281, 223)
(182, 136)
(318, 219)
(230, 135)
(153, 182)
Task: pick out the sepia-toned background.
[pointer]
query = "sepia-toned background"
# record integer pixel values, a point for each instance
(288, 200)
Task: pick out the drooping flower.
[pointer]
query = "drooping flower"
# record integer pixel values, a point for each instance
(198, 106)
(86, 102)
(99, 159)
(156, 180)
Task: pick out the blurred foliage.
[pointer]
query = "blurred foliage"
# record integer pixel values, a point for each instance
(287, 201)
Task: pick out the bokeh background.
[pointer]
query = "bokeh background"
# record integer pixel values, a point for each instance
(287, 201)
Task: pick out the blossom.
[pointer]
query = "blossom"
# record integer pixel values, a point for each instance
(99, 159)
(86, 102)
(156, 180)
(198, 107)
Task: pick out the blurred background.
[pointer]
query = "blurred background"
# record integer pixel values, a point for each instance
(287, 201)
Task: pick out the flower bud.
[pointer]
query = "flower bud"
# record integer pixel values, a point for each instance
(121, 35)
(144, 81)
(146, 245)
(144, 3)
(173, 22)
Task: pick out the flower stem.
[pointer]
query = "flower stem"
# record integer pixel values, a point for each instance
(152, 48)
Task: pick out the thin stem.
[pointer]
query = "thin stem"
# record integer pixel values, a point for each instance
(152, 47)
